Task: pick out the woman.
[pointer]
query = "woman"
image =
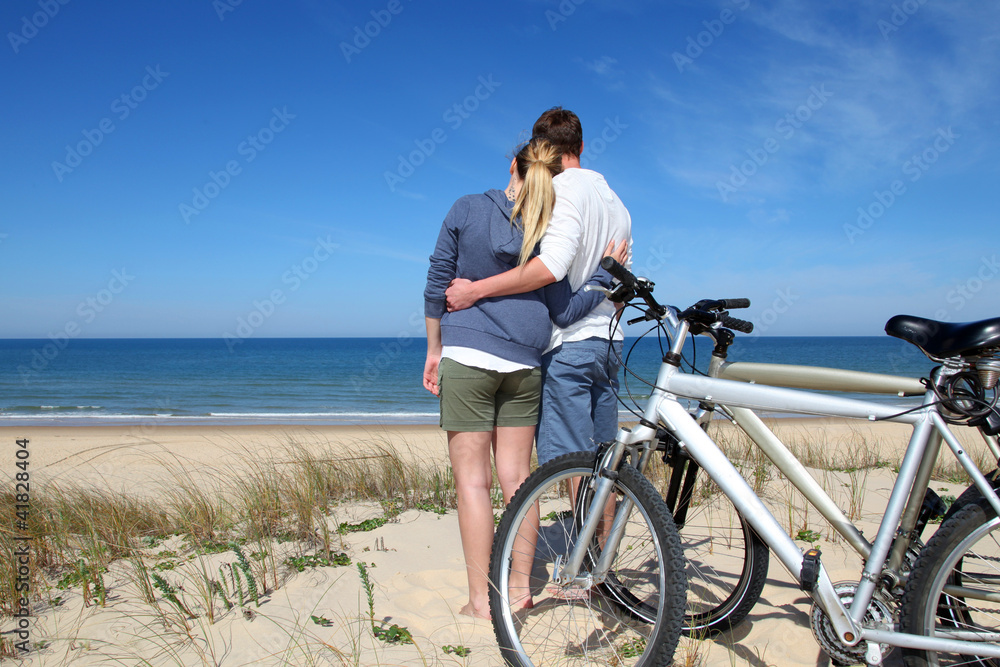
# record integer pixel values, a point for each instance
(483, 362)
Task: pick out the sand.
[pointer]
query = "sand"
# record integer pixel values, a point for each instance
(415, 562)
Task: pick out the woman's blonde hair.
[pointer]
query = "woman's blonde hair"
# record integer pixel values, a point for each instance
(537, 163)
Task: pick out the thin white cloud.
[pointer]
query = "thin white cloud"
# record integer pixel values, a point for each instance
(885, 97)
(603, 66)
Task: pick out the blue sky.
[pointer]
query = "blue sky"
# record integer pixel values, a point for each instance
(200, 168)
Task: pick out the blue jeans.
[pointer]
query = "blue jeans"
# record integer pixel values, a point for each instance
(579, 397)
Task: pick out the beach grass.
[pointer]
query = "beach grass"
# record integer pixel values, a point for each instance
(200, 545)
(210, 543)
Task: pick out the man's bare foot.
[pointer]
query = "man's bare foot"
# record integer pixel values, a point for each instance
(470, 610)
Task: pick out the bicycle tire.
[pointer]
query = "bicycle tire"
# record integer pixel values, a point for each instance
(715, 549)
(971, 495)
(570, 625)
(963, 555)
(718, 542)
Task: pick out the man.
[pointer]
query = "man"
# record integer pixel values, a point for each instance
(579, 371)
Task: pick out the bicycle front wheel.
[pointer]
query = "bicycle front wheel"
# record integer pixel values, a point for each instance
(726, 566)
(538, 622)
(954, 588)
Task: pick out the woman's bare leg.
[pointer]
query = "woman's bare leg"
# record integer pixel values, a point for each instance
(512, 449)
(470, 462)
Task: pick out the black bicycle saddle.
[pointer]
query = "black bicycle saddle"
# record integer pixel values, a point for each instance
(945, 339)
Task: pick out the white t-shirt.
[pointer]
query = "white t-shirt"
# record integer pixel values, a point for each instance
(587, 216)
(468, 356)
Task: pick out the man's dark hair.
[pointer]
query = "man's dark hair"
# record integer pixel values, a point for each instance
(562, 128)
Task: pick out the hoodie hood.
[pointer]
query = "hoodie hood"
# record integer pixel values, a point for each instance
(499, 197)
(505, 238)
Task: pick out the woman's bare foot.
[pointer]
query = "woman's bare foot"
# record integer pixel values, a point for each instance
(471, 610)
(521, 601)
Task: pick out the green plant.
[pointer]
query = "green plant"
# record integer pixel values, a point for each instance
(369, 591)
(233, 576)
(632, 648)
(245, 566)
(170, 594)
(362, 527)
(460, 651)
(213, 547)
(394, 634)
(430, 507)
(88, 576)
(807, 535)
(216, 588)
(300, 563)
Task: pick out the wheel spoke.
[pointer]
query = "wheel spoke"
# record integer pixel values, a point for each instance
(578, 624)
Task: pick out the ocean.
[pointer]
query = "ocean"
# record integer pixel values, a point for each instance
(313, 380)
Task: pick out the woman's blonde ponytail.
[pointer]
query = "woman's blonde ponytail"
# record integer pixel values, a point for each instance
(537, 163)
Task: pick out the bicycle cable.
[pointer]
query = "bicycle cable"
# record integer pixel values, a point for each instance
(623, 363)
(950, 402)
(691, 363)
(961, 389)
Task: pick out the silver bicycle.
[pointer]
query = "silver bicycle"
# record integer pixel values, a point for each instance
(949, 592)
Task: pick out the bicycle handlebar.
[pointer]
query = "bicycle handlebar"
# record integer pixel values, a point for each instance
(633, 286)
(623, 275)
(706, 312)
(740, 325)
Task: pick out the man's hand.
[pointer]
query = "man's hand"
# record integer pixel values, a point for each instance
(461, 294)
(431, 373)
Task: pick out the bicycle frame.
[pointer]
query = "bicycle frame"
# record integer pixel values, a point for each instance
(929, 430)
(831, 379)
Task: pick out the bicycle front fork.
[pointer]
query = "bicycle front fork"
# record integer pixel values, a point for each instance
(602, 482)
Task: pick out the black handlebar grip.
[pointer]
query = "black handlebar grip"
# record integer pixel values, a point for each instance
(732, 304)
(620, 272)
(740, 325)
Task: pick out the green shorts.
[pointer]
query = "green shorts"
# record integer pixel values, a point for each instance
(475, 399)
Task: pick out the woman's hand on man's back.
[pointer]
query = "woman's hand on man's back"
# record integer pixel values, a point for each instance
(620, 253)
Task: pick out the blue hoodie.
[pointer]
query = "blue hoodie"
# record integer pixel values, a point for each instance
(477, 240)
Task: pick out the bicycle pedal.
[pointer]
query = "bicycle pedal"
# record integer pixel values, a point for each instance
(810, 570)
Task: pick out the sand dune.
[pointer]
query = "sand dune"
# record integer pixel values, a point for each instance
(414, 562)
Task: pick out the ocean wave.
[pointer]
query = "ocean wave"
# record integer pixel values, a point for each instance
(241, 415)
(52, 418)
(39, 408)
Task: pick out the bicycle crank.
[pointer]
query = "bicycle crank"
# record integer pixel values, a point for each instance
(879, 614)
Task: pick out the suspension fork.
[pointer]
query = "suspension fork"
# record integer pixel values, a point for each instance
(603, 482)
(683, 475)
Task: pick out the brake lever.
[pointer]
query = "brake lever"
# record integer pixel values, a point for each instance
(598, 288)
(621, 294)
